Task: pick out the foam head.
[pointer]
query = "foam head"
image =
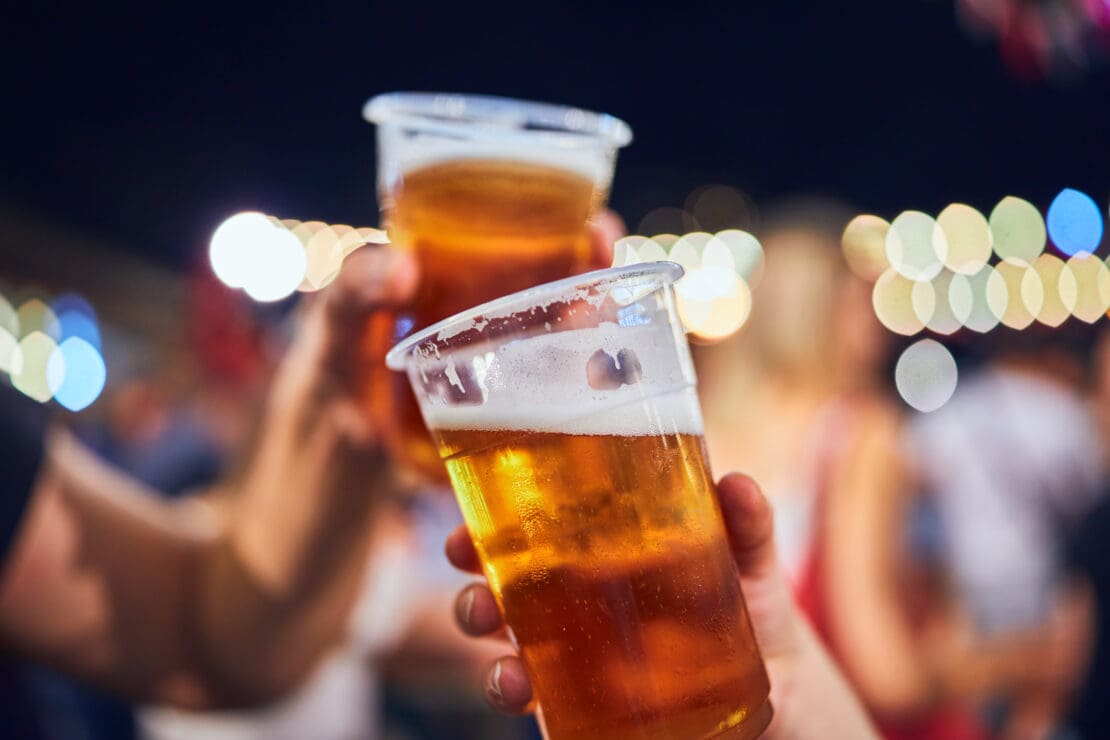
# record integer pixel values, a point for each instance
(602, 353)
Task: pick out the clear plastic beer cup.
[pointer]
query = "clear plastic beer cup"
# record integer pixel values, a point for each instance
(568, 419)
(492, 195)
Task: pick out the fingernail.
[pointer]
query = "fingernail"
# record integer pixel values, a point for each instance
(466, 605)
(494, 688)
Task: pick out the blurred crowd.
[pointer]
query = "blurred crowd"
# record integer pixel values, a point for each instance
(954, 563)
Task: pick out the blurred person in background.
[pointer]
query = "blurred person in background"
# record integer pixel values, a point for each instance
(1082, 618)
(798, 400)
(184, 603)
(1011, 465)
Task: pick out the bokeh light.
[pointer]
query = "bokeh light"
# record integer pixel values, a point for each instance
(1075, 222)
(1092, 281)
(968, 238)
(978, 301)
(9, 319)
(35, 315)
(737, 250)
(75, 323)
(893, 301)
(942, 318)
(1018, 229)
(1060, 290)
(31, 377)
(281, 269)
(323, 257)
(720, 208)
(926, 375)
(713, 303)
(11, 358)
(77, 373)
(238, 247)
(864, 246)
(687, 251)
(915, 247)
(1024, 292)
(668, 220)
(713, 297)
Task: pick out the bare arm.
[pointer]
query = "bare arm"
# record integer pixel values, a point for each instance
(173, 603)
(865, 525)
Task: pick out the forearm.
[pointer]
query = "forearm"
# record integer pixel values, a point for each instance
(275, 591)
(816, 701)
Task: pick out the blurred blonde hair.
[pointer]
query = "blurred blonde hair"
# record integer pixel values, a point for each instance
(791, 332)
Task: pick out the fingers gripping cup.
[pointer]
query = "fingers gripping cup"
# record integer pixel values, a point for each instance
(568, 420)
(492, 195)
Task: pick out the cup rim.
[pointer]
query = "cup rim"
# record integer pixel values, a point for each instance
(396, 358)
(448, 113)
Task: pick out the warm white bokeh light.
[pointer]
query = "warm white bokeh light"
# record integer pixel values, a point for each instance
(926, 375)
(238, 246)
(1025, 293)
(1060, 290)
(864, 245)
(280, 270)
(1092, 280)
(1018, 229)
(36, 315)
(915, 247)
(978, 301)
(968, 238)
(893, 300)
(31, 377)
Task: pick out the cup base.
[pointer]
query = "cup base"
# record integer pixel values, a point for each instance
(751, 728)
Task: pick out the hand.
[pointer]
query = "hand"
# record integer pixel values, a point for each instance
(810, 697)
(321, 370)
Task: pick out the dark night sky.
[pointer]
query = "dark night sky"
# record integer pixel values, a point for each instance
(147, 125)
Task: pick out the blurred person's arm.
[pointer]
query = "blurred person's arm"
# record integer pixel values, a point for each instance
(204, 607)
(865, 527)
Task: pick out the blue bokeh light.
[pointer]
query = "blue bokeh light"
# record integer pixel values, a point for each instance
(83, 373)
(1074, 222)
(73, 302)
(76, 323)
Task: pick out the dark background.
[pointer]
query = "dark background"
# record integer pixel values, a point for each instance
(145, 125)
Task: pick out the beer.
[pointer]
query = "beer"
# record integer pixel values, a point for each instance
(605, 549)
(480, 228)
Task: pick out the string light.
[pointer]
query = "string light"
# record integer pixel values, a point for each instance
(915, 247)
(864, 246)
(271, 258)
(926, 375)
(1018, 229)
(1092, 280)
(713, 296)
(893, 300)
(1074, 222)
(968, 237)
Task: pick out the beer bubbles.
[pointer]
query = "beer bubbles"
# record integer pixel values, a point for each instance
(271, 258)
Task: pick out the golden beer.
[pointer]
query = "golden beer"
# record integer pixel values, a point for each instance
(608, 556)
(569, 424)
(479, 229)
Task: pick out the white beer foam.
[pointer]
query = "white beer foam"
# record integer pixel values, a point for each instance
(541, 383)
(672, 413)
(593, 162)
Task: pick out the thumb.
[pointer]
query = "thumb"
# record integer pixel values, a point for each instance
(750, 524)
